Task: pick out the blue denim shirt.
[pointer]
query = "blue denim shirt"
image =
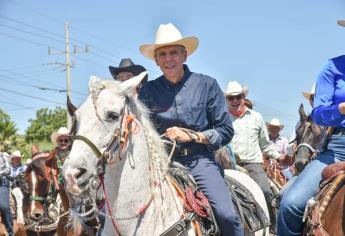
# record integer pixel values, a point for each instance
(196, 103)
(330, 91)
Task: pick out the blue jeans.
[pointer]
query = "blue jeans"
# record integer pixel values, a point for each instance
(305, 186)
(5, 209)
(207, 174)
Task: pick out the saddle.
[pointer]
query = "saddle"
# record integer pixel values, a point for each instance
(313, 214)
(252, 215)
(197, 210)
(245, 204)
(333, 170)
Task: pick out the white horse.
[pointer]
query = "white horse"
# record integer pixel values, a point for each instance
(141, 197)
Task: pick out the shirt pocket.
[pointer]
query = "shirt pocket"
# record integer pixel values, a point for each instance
(196, 117)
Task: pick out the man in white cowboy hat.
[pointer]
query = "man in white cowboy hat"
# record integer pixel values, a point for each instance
(274, 127)
(6, 214)
(190, 108)
(310, 95)
(17, 167)
(62, 139)
(250, 141)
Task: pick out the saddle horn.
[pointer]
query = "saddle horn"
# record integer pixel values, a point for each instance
(70, 107)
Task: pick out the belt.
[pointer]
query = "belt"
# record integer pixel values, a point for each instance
(339, 130)
(184, 152)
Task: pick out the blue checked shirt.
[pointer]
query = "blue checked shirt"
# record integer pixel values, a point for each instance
(330, 91)
(196, 103)
(18, 170)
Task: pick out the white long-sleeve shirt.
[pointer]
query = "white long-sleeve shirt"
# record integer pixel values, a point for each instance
(251, 138)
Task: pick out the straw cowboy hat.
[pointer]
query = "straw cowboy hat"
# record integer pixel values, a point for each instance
(234, 88)
(168, 35)
(126, 64)
(16, 153)
(275, 122)
(308, 94)
(341, 22)
(62, 131)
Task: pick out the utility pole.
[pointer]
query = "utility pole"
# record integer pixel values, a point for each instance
(68, 73)
(67, 66)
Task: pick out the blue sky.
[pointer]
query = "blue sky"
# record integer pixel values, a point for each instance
(276, 48)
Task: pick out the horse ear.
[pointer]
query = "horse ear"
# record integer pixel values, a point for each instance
(132, 83)
(94, 83)
(34, 149)
(70, 107)
(302, 114)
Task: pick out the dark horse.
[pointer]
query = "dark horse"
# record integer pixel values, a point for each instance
(326, 215)
(308, 136)
(40, 198)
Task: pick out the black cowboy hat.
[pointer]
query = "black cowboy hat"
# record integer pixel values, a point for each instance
(126, 64)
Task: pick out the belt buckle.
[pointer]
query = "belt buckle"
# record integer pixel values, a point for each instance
(185, 152)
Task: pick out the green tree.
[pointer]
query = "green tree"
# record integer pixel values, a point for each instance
(46, 121)
(7, 132)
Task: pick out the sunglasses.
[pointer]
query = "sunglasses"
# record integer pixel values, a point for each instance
(63, 141)
(237, 97)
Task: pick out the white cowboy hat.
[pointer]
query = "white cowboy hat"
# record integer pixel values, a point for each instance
(275, 122)
(234, 88)
(16, 153)
(341, 22)
(63, 131)
(168, 35)
(308, 94)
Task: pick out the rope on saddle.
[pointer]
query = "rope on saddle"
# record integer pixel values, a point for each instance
(196, 202)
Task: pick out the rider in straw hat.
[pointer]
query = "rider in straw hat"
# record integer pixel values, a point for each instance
(328, 110)
(274, 127)
(189, 108)
(62, 139)
(16, 164)
(250, 141)
(310, 95)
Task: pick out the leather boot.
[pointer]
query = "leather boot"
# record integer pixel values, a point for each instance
(273, 218)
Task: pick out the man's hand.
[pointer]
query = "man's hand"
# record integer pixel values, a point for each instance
(283, 160)
(175, 133)
(341, 108)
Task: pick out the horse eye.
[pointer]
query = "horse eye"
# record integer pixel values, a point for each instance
(112, 116)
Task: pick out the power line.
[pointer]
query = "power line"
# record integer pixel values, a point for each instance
(31, 33)
(33, 97)
(31, 26)
(17, 105)
(52, 33)
(10, 80)
(30, 78)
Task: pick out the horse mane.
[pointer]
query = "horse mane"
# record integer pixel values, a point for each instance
(157, 154)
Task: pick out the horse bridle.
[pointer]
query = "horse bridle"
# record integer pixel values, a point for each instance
(302, 144)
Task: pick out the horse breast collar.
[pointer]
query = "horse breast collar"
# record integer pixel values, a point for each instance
(316, 207)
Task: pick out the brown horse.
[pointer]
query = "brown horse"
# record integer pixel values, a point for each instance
(308, 136)
(45, 184)
(326, 212)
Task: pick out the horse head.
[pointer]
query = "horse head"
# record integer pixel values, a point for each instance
(41, 188)
(99, 122)
(308, 135)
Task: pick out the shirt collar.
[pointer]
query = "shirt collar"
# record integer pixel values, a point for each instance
(185, 77)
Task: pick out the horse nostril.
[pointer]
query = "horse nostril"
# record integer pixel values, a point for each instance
(37, 215)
